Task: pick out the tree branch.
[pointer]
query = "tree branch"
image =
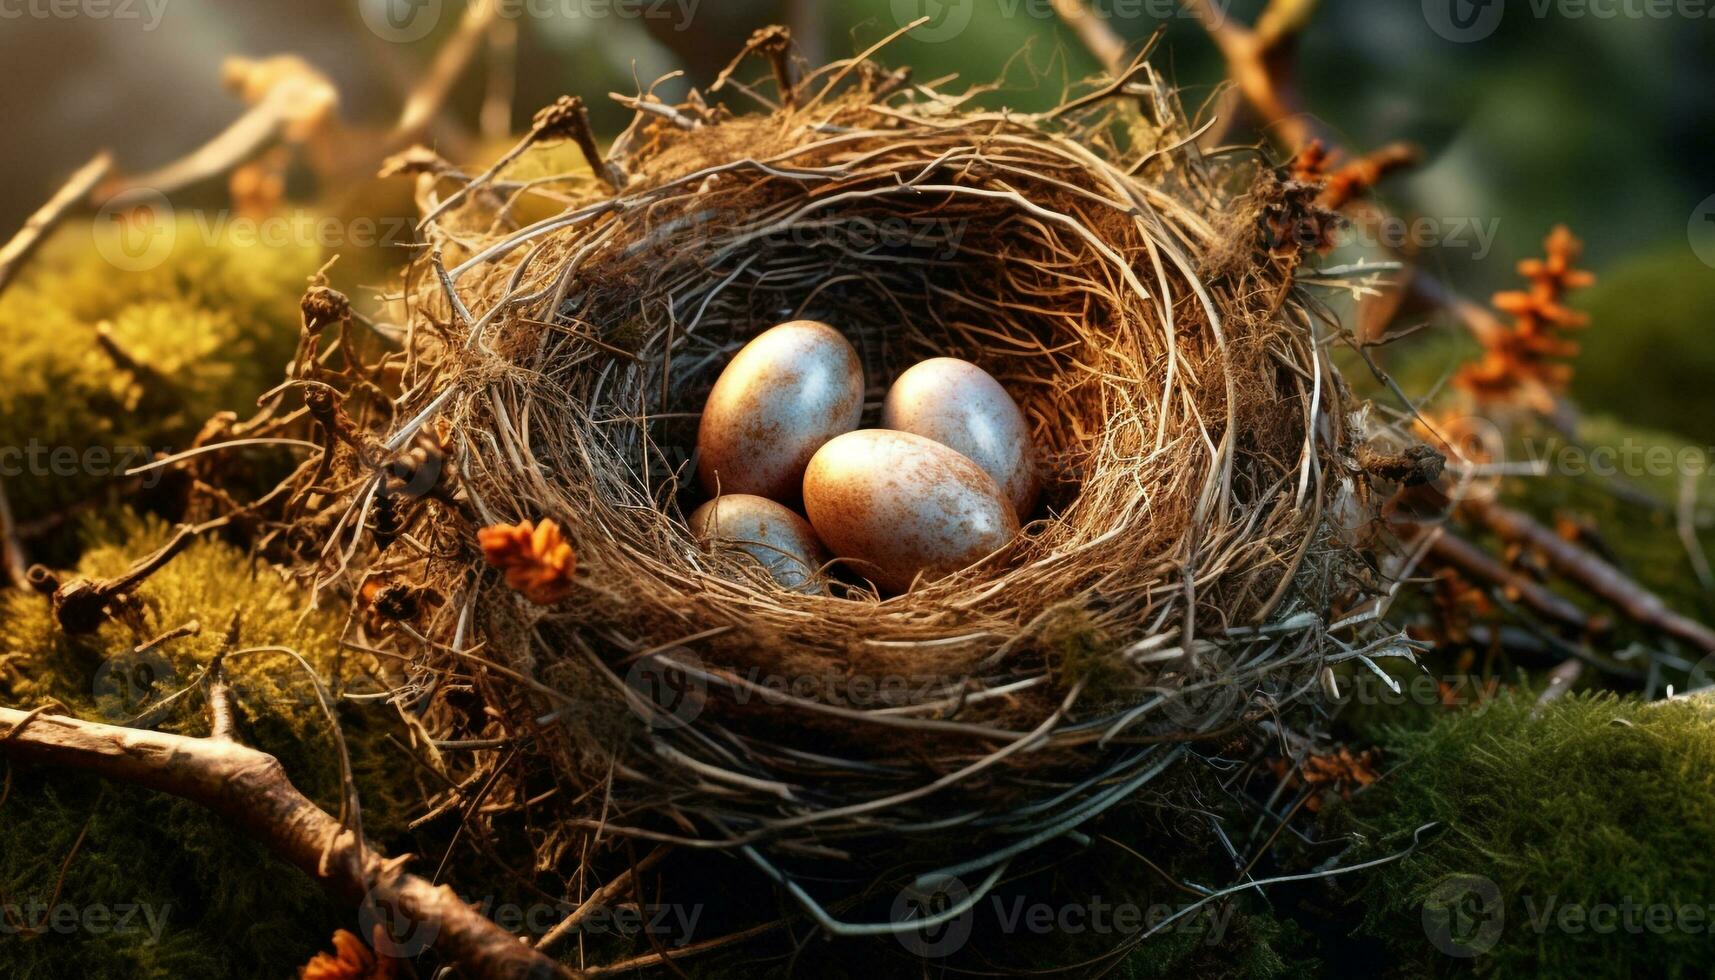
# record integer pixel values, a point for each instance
(1097, 34)
(48, 217)
(251, 789)
(1479, 564)
(1591, 573)
(13, 565)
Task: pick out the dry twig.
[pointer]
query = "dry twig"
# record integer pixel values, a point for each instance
(73, 193)
(1591, 573)
(251, 789)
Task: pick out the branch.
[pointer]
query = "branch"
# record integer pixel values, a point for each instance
(431, 94)
(1259, 63)
(1479, 564)
(601, 898)
(14, 567)
(82, 605)
(775, 43)
(1591, 573)
(75, 192)
(1096, 33)
(251, 789)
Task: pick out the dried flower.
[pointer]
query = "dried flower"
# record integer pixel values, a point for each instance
(1315, 164)
(536, 559)
(351, 960)
(1334, 774)
(1526, 363)
(1459, 605)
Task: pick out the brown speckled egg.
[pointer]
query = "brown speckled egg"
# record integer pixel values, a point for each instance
(785, 393)
(960, 405)
(895, 504)
(769, 532)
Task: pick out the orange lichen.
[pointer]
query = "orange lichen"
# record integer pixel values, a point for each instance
(1334, 774)
(350, 960)
(1342, 184)
(536, 559)
(1526, 364)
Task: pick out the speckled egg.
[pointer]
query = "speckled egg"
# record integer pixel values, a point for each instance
(785, 393)
(960, 405)
(776, 537)
(895, 504)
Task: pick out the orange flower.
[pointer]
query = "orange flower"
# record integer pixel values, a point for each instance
(536, 559)
(351, 960)
(1334, 774)
(1525, 364)
(1343, 183)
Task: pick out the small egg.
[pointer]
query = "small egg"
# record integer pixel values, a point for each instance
(896, 504)
(769, 532)
(960, 405)
(785, 393)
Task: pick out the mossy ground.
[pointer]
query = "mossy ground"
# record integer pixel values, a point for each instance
(213, 325)
(225, 907)
(1556, 821)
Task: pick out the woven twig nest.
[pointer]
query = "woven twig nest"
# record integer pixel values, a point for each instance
(1193, 431)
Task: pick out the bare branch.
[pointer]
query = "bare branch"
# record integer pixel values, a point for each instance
(1097, 34)
(75, 192)
(1479, 564)
(13, 565)
(1590, 572)
(251, 789)
(601, 898)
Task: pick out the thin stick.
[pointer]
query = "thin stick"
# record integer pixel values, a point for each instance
(47, 218)
(600, 898)
(1477, 563)
(450, 62)
(1096, 33)
(1590, 572)
(12, 561)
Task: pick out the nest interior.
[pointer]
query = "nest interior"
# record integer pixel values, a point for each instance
(1191, 428)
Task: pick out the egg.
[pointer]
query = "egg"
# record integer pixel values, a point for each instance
(895, 504)
(788, 391)
(962, 406)
(771, 533)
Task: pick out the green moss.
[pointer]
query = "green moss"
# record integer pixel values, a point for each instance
(230, 909)
(212, 325)
(1591, 804)
(1647, 353)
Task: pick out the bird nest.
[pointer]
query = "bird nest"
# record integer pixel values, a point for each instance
(1194, 438)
